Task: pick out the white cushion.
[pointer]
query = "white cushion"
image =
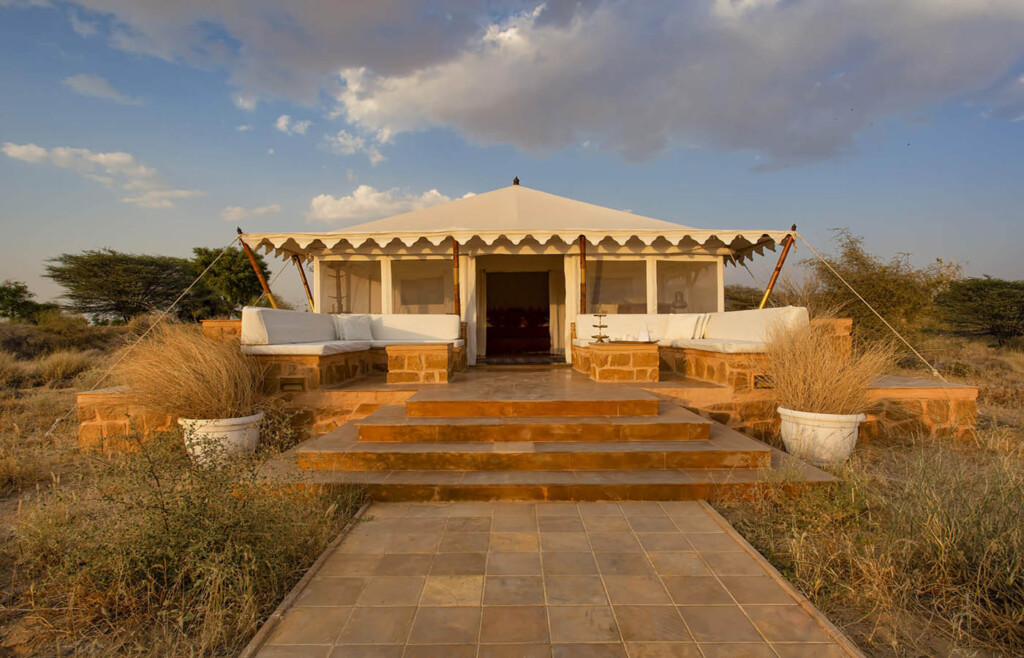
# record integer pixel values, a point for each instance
(356, 326)
(416, 341)
(623, 326)
(683, 325)
(722, 346)
(756, 324)
(268, 326)
(415, 326)
(307, 349)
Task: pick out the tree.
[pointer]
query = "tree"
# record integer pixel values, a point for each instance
(741, 298)
(231, 278)
(984, 306)
(17, 303)
(113, 284)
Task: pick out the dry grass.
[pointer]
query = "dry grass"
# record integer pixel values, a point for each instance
(13, 371)
(176, 371)
(809, 370)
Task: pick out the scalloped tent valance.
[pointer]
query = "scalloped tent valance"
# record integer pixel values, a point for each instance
(516, 213)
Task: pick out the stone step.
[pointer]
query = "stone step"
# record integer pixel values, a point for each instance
(673, 423)
(427, 408)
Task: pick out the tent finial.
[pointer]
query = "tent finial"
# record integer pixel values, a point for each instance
(515, 181)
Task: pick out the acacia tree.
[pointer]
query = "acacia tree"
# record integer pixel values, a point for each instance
(231, 278)
(985, 306)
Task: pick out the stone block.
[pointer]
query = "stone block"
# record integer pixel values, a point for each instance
(403, 377)
(435, 360)
(647, 359)
(620, 360)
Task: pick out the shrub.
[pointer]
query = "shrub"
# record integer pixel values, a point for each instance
(985, 306)
(161, 553)
(13, 372)
(178, 372)
(807, 369)
(63, 366)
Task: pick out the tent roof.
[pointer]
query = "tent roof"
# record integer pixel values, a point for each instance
(516, 213)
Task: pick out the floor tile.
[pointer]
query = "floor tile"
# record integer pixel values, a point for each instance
(624, 564)
(719, 624)
(575, 590)
(713, 542)
(732, 650)
(448, 625)
(636, 590)
(310, 625)
(652, 524)
(428, 510)
(332, 592)
(513, 564)
(663, 650)
(786, 623)
(664, 541)
(349, 565)
(569, 564)
(756, 589)
(468, 524)
(459, 564)
(366, 544)
(683, 508)
(378, 626)
(606, 524)
(294, 651)
(504, 624)
(577, 623)
(514, 590)
(697, 590)
(441, 651)
(588, 651)
(650, 623)
(392, 591)
(559, 524)
(697, 524)
(478, 509)
(733, 564)
(678, 564)
(507, 509)
(514, 651)
(514, 542)
(589, 510)
(641, 508)
(809, 651)
(403, 565)
(464, 542)
(513, 524)
(572, 542)
(614, 542)
(452, 590)
(368, 651)
(414, 542)
(557, 509)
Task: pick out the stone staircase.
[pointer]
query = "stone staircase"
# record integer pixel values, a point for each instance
(584, 443)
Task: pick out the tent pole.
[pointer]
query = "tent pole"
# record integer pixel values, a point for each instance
(778, 268)
(455, 277)
(583, 275)
(256, 269)
(305, 282)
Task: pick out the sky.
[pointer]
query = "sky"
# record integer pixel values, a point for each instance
(150, 126)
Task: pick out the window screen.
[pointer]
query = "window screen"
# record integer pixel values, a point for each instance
(687, 287)
(616, 286)
(351, 287)
(422, 286)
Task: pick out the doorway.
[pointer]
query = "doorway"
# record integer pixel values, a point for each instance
(518, 314)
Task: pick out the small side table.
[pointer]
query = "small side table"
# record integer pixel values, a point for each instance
(624, 361)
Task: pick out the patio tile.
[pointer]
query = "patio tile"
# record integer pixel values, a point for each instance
(591, 510)
(575, 590)
(696, 590)
(294, 651)
(513, 564)
(588, 651)
(505, 624)
(719, 624)
(733, 650)
(756, 589)
(676, 508)
(650, 623)
(441, 651)
(696, 524)
(392, 591)
(514, 651)
(310, 626)
(414, 542)
(573, 542)
(464, 542)
(459, 564)
(809, 651)
(369, 651)
(514, 590)
(614, 542)
(786, 623)
(452, 590)
(468, 524)
(385, 510)
(641, 508)
(445, 625)
(624, 564)
(652, 524)
(663, 650)
(471, 509)
(426, 525)
(713, 542)
(606, 524)
(332, 592)
(733, 564)
(557, 509)
(366, 544)
(514, 524)
(679, 564)
(397, 564)
(559, 524)
(636, 590)
(428, 510)
(578, 623)
(507, 509)
(664, 541)
(377, 626)
(514, 542)
(569, 564)
(341, 565)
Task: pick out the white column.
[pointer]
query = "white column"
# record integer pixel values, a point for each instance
(721, 284)
(386, 295)
(317, 285)
(467, 286)
(652, 284)
(572, 298)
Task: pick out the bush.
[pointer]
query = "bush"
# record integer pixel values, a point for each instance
(985, 306)
(178, 372)
(63, 366)
(13, 372)
(165, 554)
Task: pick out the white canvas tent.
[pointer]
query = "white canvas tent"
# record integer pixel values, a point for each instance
(510, 236)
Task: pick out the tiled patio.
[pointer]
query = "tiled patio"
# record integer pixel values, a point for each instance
(511, 579)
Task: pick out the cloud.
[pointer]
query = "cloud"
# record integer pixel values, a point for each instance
(243, 102)
(789, 81)
(366, 203)
(238, 213)
(97, 87)
(140, 183)
(244, 128)
(345, 143)
(285, 125)
(82, 27)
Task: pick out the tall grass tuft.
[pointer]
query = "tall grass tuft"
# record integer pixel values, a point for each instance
(63, 366)
(809, 370)
(13, 372)
(177, 371)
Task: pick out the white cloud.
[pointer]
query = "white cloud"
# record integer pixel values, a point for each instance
(82, 27)
(243, 102)
(270, 151)
(244, 128)
(790, 81)
(239, 213)
(284, 124)
(97, 87)
(366, 203)
(117, 170)
(345, 143)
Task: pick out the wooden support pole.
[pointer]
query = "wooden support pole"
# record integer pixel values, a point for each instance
(455, 277)
(256, 269)
(305, 282)
(583, 275)
(778, 267)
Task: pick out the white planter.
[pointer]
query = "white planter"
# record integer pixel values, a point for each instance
(221, 436)
(822, 439)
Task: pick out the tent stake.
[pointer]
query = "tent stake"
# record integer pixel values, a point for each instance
(256, 269)
(778, 268)
(305, 283)
(455, 277)
(583, 275)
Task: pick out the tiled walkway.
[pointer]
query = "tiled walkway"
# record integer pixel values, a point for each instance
(558, 580)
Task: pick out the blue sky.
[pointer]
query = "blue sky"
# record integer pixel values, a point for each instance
(140, 125)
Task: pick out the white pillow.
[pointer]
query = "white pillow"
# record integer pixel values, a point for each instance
(339, 326)
(357, 327)
(701, 326)
(681, 326)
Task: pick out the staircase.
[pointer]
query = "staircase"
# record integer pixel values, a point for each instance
(513, 443)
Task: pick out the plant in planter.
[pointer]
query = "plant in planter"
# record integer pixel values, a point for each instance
(208, 385)
(821, 389)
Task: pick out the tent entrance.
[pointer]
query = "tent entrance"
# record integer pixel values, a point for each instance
(518, 314)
